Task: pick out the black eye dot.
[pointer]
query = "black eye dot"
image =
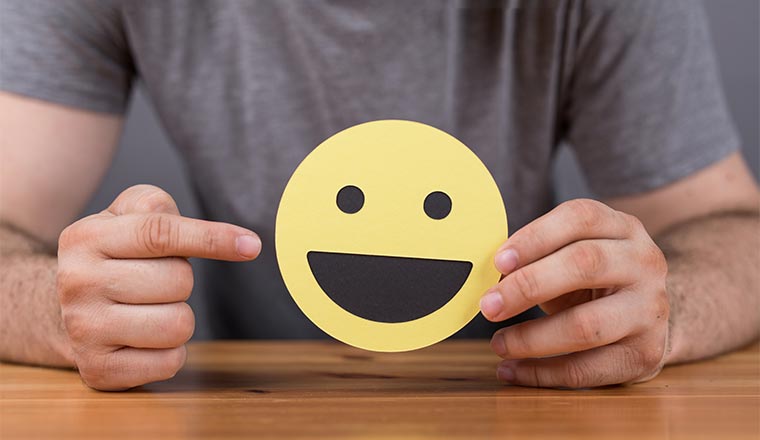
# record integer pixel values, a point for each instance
(437, 205)
(350, 199)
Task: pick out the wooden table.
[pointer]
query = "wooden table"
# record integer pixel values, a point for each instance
(310, 389)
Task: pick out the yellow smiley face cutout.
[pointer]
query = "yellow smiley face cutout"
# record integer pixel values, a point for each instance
(386, 232)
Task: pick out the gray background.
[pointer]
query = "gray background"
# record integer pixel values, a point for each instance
(146, 155)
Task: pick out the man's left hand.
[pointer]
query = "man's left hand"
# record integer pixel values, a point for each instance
(601, 280)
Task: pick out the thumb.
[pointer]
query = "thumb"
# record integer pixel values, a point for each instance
(143, 199)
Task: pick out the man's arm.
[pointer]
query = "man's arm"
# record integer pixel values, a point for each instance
(708, 227)
(53, 158)
(112, 303)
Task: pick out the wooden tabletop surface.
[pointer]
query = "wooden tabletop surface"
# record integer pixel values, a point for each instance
(311, 389)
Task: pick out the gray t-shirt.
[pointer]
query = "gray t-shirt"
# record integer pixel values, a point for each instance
(246, 89)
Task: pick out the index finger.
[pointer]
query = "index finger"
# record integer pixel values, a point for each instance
(567, 223)
(168, 235)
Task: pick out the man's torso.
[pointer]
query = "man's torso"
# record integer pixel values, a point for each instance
(247, 89)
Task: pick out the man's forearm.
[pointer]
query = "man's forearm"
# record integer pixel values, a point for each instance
(713, 282)
(30, 317)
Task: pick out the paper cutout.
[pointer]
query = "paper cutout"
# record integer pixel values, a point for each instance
(386, 232)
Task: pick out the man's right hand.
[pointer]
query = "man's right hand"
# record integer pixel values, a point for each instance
(123, 279)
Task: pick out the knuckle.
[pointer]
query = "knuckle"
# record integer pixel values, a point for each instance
(655, 259)
(515, 342)
(135, 192)
(157, 233)
(525, 284)
(209, 241)
(576, 207)
(536, 241)
(67, 236)
(81, 326)
(98, 371)
(587, 213)
(589, 260)
(533, 375)
(142, 187)
(651, 357)
(184, 324)
(65, 279)
(77, 283)
(75, 234)
(72, 236)
(154, 199)
(183, 274)
(76, 325)
(175, 360)
(587, 328)
(72, 285)
(660, 307)
(643, 361)
(632, 223)
(575, 375)
(524, 238)
(94, 379)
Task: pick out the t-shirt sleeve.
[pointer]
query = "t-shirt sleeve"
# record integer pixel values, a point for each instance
(644, 105)
(71, 52)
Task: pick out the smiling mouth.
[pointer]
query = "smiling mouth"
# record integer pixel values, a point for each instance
(387, 289)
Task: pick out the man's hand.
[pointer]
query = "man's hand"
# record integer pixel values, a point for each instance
(123, 280)
(601, 280)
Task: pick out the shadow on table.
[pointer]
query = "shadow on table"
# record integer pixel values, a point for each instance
(319, 383)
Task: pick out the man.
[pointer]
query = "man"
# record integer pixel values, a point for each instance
(247, 89)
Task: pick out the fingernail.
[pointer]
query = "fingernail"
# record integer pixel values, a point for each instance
(248, 246)
(491, 304)
(505, 373)
(506, 261)
(497, 344)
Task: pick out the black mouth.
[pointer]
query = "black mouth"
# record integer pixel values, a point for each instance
(387, 289)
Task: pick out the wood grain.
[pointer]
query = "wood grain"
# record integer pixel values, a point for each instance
(315, 389)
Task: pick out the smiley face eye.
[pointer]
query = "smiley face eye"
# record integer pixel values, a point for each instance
(350, 199)
(437, 205)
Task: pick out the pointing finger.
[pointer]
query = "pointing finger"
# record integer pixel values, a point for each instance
(166, 235)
